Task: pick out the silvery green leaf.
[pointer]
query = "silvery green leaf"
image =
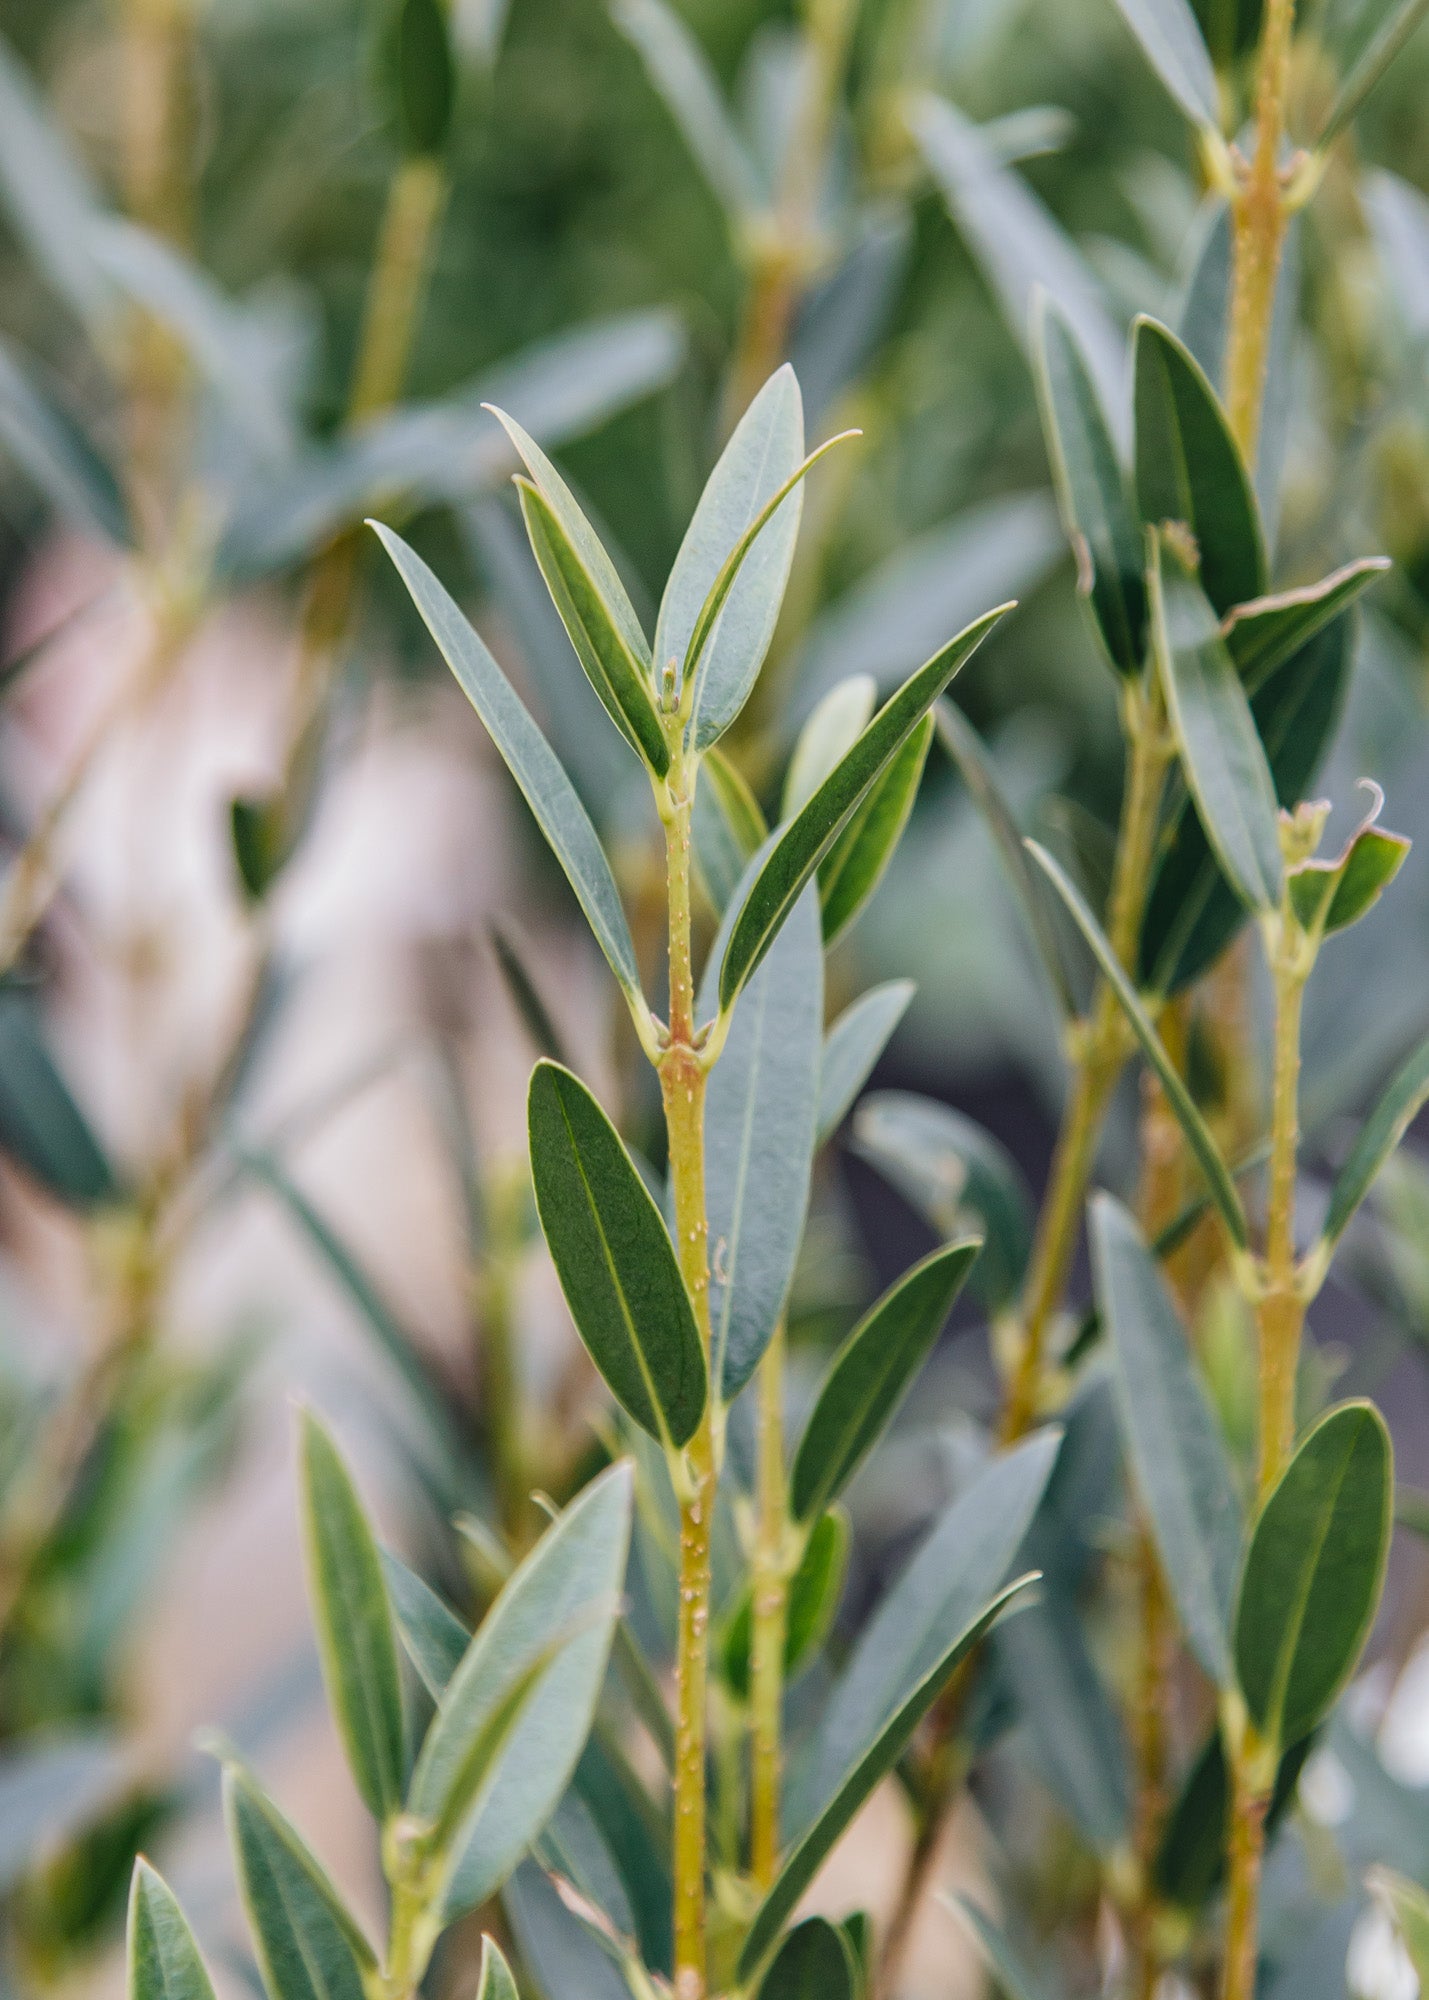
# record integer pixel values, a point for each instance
(496, 1981)
(433, 1636)
(1028, 133)
(1170, 35)
(1398, 216)
(680, 72)
(1019, 246)
(1076, 1737)
(530, 760)
(1006, 1967)
(728, 828)
(761, 1105)
(1202, 314)
(853, 1046)
(558, 1949)
(308, 1943)
(52, 1783)
(1379, 1136)
(163, 1962)
(52, 205)
(844, 316)
(830, 732)
(53, 452)
(1175, 1442)
(1396, 23)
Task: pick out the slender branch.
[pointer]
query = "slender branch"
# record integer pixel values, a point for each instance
(1282, 1305)
(1260, 215)
(769, 1626)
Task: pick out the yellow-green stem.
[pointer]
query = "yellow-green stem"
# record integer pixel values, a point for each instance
(682, 1086)
(1281, 1306)
(1249, 1803)
(769, 1623)
(1259, 219)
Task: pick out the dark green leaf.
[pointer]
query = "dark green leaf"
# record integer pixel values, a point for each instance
(163, 1960)
(1219, 1182)
(728, 828)
(870, 1375)
(814, 1962)
(1379, 1137)
(619, 676)
(1329, 896)
(797, 851)
(309, 1945)
(41, 1126)
(520, 982)
(1313, 1573)
(1394, 30)
(872, 1766)
(1221, 753)
(551, 1627)
(1171, 36)
(1092, 491)
(853, 1046)
(356, 1636)
(958, 1565)
(853, 867)
(1189, 469)
(814, 1592)
(420, 74)
(1176, 1447)
(529, 758)
(1264, 633)
(1076, 1738)
(956, 1175)
(496, 1982)
(614, 1258)
(51, 450)
(760, 1109)
(1191, 1858)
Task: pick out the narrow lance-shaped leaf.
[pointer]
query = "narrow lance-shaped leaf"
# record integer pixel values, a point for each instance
(1012, 1976)
(42, 1126)
(1399, 23)
(798, 850)
(1176, 1447)
(531, 761)
(681, 73)
(854, 866)
(496, 1981)
(1171, 36)
(309, 1945)
(815, 1962)
(853, 1046)
(357, 1640)
(1262, 634)
(1219, 1182)
(1379, 1137)
(870, 1375)
(163, 1962)
(1314, 1571)
(623, 682)
(728, 828)
(53, 452)
(1092, 489)
(526, 997)
(433, 1636)
(833, 727)
(876, 1761)
(1221, 753)
(614, 1258)
(1189, 468)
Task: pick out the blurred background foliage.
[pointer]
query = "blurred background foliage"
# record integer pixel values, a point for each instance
(161, 1266)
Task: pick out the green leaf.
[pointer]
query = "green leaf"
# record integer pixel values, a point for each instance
(53, 452)
(163, 1961)
(431, 1633)
(1219, 1181)
(1170, 36)
(41, 1126)
(496, 1981)
(1221, 753)
(969, 753)
(728, 828)
(761, 1104)
(853, 1046)
(51, 203)
(1007, 1969)
(420, 75)
(520, 983)
(1092, 490)
(797, 851)
(833, 727)
(853, 867)
(870, 1375)
(1314, 1571)
(1176, 1447)
(54, 1784)
(1076, 1738)
(815, 1962)
(1329, 896)
(958, 1565)
(1191, 1858)
(874, 1763)
(681, 73)
(614, 1258)
(546, 1638)
(1394, 30)
(1264, 633)
(1379, 1137)
(621, 679)
(1408, 1905)
(814, 1592)
(1189, 468)
(529, 758)
(309, 1945)
(356, 1636)
(956, 1175)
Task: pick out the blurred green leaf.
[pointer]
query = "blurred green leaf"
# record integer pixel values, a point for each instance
(53, 1782)
(1262, 634)
(1092, 490)
(1408, 1905)
(1176, 1447)
(813, 1601)
(163, 1961)
(1191, 1859)
(1313, 1573)
(1170, 35)
(495, 1982)
(519, 980)
(529, 758)
(614, 1258)
(853, 1046)
(1007, 1969)
(854, 866)
(761, 1104)
(1076, 1736)
(1379, 1137)
(679, 70)
(1221, 753)
(432, 1634)
(871, 1374)
(356, 1636)
(419, 74)
(728, 827)
(51, 450)
(798, 849)
(41, 1126)
(832, 729)
(52, 205)
(1397, 23)
(309, 1945)
(814, 1962)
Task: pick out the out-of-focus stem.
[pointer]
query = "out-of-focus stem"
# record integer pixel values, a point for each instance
(1260, 214)
(770, 1584)
(1282, 1304)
